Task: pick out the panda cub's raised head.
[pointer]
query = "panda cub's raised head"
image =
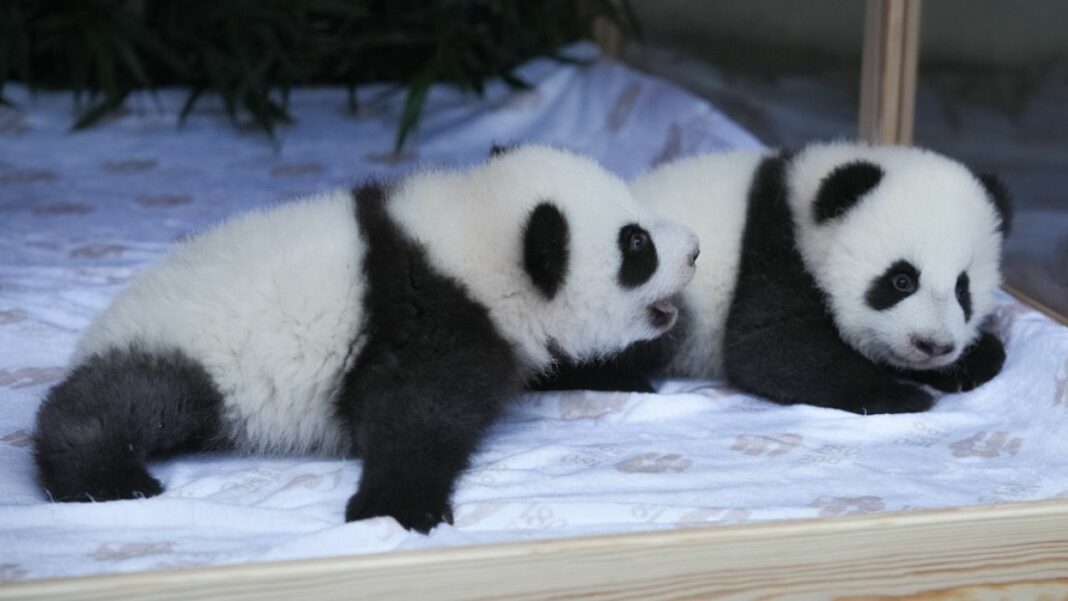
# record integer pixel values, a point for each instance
(598, 270)
(558, 250)
(904, 243)
(595, 258)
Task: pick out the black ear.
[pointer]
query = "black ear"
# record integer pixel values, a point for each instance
(843, 187)
(498, 149)
(546, 248)
(999, 195)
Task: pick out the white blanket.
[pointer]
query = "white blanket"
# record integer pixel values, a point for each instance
(80, 212)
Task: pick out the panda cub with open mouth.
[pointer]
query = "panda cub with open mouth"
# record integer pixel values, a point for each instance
(843, 275)
(390, 322)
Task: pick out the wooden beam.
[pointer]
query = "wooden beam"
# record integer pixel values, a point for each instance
(608, 36)
(888, 75)
(1016, 550)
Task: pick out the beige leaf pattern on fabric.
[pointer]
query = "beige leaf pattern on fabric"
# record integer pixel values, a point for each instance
(26, 176)
(19, 438)
(27, 377)
(130, 165)
(308, 481)
(1060, 386)
(771, 446)
(297, 169)
(96, 251)
(623, 107)
(11, 571)
(107, 552)
(831, 506)
(672, 147)
(987, 445)
(13, 122)
(478, 513)
(13, 316)
(585, 405)
(393, 158)
(713, 515)
(163, 200)
(654, 463)
(62, 208)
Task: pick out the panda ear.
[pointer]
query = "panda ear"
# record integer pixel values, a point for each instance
(498, 149)
(546, 248)
(843, 187)
(1001, 198)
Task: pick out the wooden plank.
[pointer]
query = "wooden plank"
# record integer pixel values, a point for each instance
(1035, 304)
(888, 75)
(998, 551)
(608, 36)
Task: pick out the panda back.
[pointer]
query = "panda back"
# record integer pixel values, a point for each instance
(709, 193)
(270, 304)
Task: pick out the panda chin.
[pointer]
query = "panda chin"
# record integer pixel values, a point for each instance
(904, 362)
(663, 314)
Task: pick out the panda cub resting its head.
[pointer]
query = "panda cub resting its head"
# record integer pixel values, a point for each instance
(389, 322)
(842, 275)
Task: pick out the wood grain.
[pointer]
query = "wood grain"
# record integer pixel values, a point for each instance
(999, 551)
(888, 76)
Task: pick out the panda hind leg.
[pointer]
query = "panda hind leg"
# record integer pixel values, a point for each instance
(97, 428)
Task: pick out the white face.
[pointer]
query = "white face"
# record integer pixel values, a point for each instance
(911, 270)
(624, 264)
(623, 284)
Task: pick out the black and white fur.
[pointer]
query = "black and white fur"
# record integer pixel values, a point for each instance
(391, 322)
(842, 275)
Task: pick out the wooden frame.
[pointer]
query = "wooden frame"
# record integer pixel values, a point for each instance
(888, 74)
(998, 551)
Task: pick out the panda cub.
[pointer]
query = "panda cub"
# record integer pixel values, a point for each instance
(842, 275)
(389, 322)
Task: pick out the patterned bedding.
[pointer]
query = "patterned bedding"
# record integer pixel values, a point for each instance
(80, 212)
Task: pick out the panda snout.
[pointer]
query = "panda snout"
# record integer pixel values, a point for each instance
(931, 347)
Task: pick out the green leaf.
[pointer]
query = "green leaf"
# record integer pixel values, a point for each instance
(413, 104)
(99, 111)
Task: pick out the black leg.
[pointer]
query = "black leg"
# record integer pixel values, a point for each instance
(607, 375)
(96, 429)
(977, 365)
(416, 436)
(794, 363)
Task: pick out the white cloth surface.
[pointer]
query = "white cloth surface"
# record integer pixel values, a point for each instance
(80, 212)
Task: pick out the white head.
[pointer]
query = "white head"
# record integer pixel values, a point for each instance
(565, 259)
(905, 243)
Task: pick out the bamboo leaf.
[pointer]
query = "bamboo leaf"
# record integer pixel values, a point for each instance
(99, 111)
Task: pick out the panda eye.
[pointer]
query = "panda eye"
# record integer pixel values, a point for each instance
(903, 282)
(638, 242)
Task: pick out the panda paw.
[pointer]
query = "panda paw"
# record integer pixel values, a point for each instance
(897, 398)
(413, 512)
(980, 363)
(132, 482)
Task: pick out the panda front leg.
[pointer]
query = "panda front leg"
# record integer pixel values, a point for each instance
(977, 365)
(796, 361)
(416, 435)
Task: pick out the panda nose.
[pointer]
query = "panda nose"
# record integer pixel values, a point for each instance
(932, 348)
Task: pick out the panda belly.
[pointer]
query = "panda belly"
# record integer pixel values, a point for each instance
(270, 305)
(710, 194)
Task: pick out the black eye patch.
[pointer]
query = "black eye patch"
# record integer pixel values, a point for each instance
(897, 283)
(639, 256)
(964, 294)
